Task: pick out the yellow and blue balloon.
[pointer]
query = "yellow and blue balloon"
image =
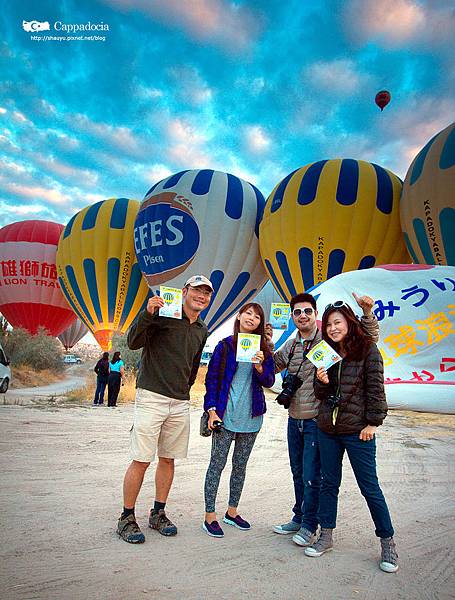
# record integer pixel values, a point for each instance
(98, 270)
(329, 217)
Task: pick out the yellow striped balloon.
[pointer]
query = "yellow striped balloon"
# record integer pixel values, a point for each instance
(98, 270)
(329, 217)
(428, 202)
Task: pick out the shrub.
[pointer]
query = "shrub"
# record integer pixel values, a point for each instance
(40, 351)
(131, 358)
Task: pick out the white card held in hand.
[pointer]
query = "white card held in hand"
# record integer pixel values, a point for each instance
(247, 346)
(279, 315)
(323, 355)
(172, 302)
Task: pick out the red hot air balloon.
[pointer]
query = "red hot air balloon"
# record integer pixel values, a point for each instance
(382, 99)
(30, 295)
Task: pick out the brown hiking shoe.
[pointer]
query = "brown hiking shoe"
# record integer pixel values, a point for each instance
(128, 530)
(161, 523)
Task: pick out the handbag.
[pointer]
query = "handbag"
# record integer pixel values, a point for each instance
(204, 423)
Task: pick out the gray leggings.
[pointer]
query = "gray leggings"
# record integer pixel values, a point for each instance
(221, 442)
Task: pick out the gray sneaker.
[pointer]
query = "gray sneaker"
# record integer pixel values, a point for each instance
(389, 556)
(323, 545)
(304, 537)
(287, 528)
(128, 530)
(161, 523)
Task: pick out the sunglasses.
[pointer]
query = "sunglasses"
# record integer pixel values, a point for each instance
(337, 304)
(298, 311)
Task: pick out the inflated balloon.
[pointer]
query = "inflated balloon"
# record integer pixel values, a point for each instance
(328, 217)
(97, 268)
(266, 297)
(30, 295)
(428, 202)
(73, 334)
(382, 99)
(415, 306)
(202, 222)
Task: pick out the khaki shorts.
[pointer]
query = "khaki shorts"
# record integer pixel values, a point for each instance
(159, 423)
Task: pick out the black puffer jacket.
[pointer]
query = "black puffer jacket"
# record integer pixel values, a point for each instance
(362, 394)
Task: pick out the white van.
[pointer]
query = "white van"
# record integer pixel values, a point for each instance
(72, 359)
(5, 372)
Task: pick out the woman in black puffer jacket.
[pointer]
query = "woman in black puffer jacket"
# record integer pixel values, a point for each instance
(352, 406)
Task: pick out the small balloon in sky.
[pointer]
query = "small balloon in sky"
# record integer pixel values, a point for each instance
(382, 99)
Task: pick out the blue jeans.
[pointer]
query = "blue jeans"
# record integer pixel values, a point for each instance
(362, 456)
(305, 466)
(99, 394)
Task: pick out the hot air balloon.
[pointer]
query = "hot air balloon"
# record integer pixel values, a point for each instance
(202, 222)
(414, 306)
(382, 99)
(328, 217)
(428, 202)
(73, 334)
(30, 295)
(97, 268)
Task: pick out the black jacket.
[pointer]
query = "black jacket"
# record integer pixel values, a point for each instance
(362, 395)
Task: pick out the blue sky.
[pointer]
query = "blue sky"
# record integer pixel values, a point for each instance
(256, 88)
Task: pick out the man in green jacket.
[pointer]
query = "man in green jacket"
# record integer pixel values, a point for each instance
(171, 353)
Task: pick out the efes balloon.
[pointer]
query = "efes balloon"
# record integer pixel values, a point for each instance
(415, 308)
(428, 202)
(97, 268)
(30, 296)
(328, 217)
(73, 334)
(202, 222)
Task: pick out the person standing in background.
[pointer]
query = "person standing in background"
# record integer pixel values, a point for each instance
(116, 375)
(102, 376)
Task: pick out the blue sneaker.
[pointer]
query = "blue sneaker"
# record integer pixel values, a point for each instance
(287, 528)
(213, 529)
(237, 521)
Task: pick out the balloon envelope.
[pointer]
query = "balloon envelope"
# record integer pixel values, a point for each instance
(382, 99)
(415, 308)
(428, 202)
(73, 334)
(328, 217)
(203, 222)
(97, 268)
(30, 295)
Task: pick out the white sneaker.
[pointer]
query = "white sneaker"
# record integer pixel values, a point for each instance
(304, 537)
(287, 528)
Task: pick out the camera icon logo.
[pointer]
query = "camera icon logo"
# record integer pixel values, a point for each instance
(32, 26)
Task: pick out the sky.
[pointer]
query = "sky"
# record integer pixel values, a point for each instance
(256, 88)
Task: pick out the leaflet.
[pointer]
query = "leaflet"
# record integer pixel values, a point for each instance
(172, 302)
(247, 346)
(323, 355)
(279, 315)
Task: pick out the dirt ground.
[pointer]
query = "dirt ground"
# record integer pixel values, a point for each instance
(62, 471)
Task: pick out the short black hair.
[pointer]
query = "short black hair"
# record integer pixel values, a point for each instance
(303, 298)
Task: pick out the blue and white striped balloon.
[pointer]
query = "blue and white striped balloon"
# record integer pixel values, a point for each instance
(203, 222)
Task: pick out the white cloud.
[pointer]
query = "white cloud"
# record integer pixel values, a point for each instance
(256, 139)
(334, 76)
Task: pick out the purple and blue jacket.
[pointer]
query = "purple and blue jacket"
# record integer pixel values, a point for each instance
(219, 399)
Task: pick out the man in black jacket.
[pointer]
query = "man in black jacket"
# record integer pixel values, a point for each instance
(171, 353)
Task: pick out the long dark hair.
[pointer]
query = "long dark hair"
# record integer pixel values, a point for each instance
(356, 343)
(115, 358)
(259, 329)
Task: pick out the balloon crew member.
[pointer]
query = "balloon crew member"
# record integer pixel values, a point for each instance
(116, 374)
(299, 399)
(352, 406)
(102, 377)
(171, 353)
(236, 404)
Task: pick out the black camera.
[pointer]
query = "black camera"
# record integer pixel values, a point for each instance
(333, 401)
(217, 425)
(291, 383)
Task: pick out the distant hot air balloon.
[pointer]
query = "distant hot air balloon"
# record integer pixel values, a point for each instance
(30, 295)
(328, 217)
(73, 334)
(428, 202)
(97, 268)
(382, 99)
(203, 222)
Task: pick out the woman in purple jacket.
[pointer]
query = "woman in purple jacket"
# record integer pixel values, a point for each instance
(235, 395)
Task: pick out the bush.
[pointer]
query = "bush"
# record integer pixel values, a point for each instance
(131, 358)
(40, 351)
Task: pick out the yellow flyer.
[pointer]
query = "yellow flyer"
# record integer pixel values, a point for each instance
(247, 346)
(172, 302)
(323, 355)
